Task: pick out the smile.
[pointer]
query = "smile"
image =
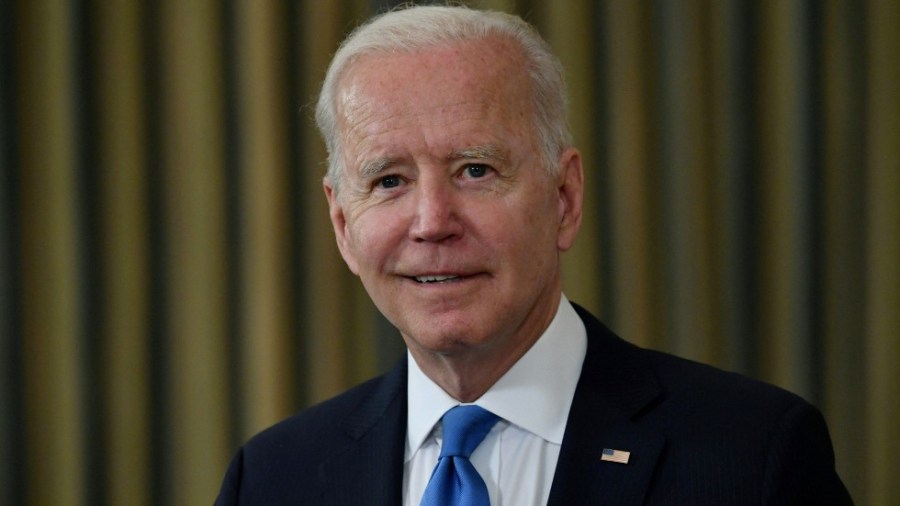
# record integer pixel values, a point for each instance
(436, 279)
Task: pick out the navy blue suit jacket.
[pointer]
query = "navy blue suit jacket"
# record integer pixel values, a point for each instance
(697, 435)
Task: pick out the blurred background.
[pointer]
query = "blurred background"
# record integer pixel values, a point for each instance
(169, 283)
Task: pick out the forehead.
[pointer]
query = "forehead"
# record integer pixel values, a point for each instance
(465, 85)
(477, 62)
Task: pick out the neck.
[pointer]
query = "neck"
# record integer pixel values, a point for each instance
(465, 378)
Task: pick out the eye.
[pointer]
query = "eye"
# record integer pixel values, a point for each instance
(391, 181)
(477, 170)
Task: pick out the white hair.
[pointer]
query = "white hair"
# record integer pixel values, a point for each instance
(415, 28)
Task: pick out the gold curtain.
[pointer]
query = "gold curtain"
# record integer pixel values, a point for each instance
(170, 283)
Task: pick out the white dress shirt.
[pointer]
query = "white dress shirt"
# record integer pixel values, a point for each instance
(518, 457)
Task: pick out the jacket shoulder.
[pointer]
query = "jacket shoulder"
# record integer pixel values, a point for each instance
(286, 459)
(729, 438)
(344, 416)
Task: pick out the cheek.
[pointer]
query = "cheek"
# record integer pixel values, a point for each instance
(539, 215)
(533, 231)
(373, 237)
(512, 232)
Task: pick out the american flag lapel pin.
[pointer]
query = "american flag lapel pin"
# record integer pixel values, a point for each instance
(617, 456)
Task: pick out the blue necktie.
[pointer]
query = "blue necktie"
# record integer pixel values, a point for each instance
(455, 480)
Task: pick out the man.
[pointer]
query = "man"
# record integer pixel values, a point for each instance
(453, 188)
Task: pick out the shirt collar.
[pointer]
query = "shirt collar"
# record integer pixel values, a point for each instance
(535, 394)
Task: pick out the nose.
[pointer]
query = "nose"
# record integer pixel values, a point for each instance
(436, 214)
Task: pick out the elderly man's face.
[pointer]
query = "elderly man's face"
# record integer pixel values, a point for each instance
(445, 211)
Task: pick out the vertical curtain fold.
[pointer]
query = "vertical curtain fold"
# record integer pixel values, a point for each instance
(843, 234)
(193, 218)
(264, 350)
(49, 251)
(785, 224)
(732, 144)
(121, 195)
(690, 235)
(883, 243)
(631, 180)
(10, 369)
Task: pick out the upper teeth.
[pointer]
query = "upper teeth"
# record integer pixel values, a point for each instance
(434, 279)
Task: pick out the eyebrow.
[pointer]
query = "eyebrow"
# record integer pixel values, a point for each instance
(478, 152)
(374, 167)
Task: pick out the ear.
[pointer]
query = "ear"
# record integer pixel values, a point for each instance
(339, 223)
(570, 190)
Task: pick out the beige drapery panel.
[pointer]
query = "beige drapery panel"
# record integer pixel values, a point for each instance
(170, 284)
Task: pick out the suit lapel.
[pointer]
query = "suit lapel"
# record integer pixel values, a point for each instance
(369, 468)
(615, 385)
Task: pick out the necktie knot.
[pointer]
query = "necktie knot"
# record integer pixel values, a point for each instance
(455, 481)
(464, 428)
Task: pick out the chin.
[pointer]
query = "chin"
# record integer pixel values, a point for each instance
(446, 342)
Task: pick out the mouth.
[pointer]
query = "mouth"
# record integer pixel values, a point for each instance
(436, 279)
